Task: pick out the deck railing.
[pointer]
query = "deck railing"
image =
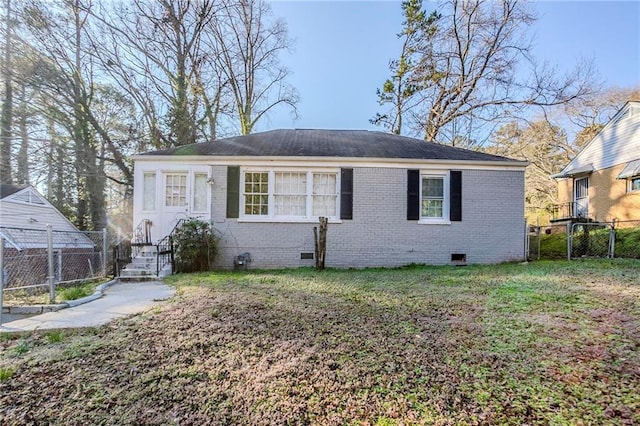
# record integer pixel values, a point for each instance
(569, 211)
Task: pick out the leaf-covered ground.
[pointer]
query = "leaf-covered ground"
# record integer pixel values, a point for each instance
(509, 344)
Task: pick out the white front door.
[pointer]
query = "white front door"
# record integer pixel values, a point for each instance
(175, 200)
(183, 195)
(581, 197)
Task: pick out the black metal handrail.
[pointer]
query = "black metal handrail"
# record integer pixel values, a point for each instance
(142, 233)
(165, 249)
(141, 237)
(122, 253)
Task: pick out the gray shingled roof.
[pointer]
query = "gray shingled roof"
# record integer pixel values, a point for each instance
(7, 189)
(329, 143)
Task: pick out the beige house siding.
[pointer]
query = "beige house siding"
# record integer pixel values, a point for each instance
(608, 196)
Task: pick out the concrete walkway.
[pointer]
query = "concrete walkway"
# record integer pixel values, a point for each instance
(119, 300)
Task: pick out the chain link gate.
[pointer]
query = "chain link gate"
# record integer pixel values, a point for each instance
(591, 239)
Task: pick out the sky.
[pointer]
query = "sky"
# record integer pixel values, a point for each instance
(342, 49)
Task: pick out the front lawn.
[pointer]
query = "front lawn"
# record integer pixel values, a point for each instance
(538, 343)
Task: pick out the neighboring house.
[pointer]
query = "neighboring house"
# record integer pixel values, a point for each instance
(390, 200)
(602, 182)
(24, 216)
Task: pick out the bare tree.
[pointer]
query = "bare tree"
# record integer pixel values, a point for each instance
(64, 73)
(545, 147)
(248, 42)
(591, 114)
(468, 70)
(155, 53)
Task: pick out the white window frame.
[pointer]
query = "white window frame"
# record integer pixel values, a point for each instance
(194, 175)
(186, 189)
(309, 195)
(630, 183)
(154, 190)
(446, 195)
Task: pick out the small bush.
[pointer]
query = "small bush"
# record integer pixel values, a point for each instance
(74, 293)
(22, 347)
(196, 246)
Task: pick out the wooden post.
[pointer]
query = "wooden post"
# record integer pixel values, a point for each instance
(320, 239)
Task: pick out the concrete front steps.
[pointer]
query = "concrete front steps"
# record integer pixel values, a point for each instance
(142, 268)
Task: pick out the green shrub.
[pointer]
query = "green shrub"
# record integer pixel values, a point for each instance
(628, 243)
(22, 347)
(195, 245)
(76, 292)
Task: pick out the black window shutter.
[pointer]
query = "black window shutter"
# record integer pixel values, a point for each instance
(455, 198)
(233, 191)
(346, 194)
(413, 194)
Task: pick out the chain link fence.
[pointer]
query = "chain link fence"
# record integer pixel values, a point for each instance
(38, 260)
(620, 239)
(591, 239)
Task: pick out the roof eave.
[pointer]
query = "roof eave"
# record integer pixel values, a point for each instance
(230, 159)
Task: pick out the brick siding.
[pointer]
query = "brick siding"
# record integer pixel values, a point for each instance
(491, 230)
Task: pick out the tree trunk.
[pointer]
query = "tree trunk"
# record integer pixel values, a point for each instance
(22, 174)
(7, 105)
(321, 242)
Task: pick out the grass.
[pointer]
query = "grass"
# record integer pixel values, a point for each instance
(75, 292)
(538, 343)
(40, 296)
(6, 373)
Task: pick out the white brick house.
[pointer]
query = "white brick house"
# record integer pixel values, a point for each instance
(390, 200)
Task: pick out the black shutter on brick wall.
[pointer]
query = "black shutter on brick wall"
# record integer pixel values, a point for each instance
(413, 194)
(346, 194)
(455, 187)
(233, 191)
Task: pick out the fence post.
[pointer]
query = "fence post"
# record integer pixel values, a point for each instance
(52, 286)
(527, 242)
(569, 240)
(612, 240)
(1, 276)
(104, 252)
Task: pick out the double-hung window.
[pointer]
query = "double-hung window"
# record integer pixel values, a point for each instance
(324, 194)
(434, 201)
(256, 193)
(289, 194)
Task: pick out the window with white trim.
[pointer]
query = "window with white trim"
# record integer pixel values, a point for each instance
(176, 190)
(289, 194)
(149, 192)
(200, 192)
(325, 194)
(634, 184)
(256, 193)
(434, 196)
